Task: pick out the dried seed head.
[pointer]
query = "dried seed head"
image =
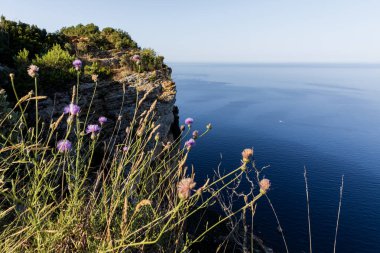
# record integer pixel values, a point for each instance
(264, 185)
(94, 78)
(184, 188)
(247, 154)
(33, 71)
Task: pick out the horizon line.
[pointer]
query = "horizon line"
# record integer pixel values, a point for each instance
(276, 63)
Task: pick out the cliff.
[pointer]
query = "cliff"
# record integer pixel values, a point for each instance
(116, 99)
(126, 72)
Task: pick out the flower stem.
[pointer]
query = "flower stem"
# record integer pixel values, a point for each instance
(36, 94)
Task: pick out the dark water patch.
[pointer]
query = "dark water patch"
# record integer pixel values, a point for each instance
(292, 124)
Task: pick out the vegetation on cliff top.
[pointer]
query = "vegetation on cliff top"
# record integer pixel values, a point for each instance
(22, 44)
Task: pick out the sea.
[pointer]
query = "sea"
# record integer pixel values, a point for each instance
(322, 117)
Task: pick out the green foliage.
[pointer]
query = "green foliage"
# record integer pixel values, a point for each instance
(150, 60)
(95, 68)
(22, 58)
(80, 30)
(16, 36)
(118, 38)
(55, 66)
(90, 38)
(22, 44)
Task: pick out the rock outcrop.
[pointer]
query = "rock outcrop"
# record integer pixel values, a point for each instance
(116, 100)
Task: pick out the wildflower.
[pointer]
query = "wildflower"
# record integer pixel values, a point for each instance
(33, 71)
(247, 154)
(125, 148)
(209, 126)
(94, 78)
(72, 109)
(195, 134)
(182, 128)
(264, 185)
(136, 58)
(184, 188)
(190, 143)
(102, 120)
(64, 146)
(77, 64)
(92, 129)
(189, 121)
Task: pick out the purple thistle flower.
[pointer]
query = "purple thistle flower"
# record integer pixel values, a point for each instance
(125, 149)
(33, 70)
(190, 143)
(92, 129)
(64, 146)
(77, 64)
(72, 109)
(189, 121)
(102, 120)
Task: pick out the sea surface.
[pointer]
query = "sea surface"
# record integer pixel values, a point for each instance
(322, 116)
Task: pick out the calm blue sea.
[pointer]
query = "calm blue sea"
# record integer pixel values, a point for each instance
(324, 117)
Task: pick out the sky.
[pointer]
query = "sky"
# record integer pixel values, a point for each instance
(256, 31)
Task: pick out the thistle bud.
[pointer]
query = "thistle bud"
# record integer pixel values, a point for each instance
(157, 137)
(70, 119)
(195, 134)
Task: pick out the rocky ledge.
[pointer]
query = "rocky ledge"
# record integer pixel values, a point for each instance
(116, 99)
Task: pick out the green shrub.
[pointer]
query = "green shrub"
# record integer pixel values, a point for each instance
(22, 58)
(149, 60)
(94, 39)
(16, 36)
(55, 66)
(95, 68)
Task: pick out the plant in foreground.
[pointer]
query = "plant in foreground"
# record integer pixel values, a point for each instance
(81, 195)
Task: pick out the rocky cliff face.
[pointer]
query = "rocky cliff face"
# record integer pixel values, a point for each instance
(116, 99)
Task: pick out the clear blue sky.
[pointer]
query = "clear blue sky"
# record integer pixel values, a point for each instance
(225, 30)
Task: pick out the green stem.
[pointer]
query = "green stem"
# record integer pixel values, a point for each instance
(77, 95)
(229, 216)
(36, 94)
(17, 99)
(89, 107)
